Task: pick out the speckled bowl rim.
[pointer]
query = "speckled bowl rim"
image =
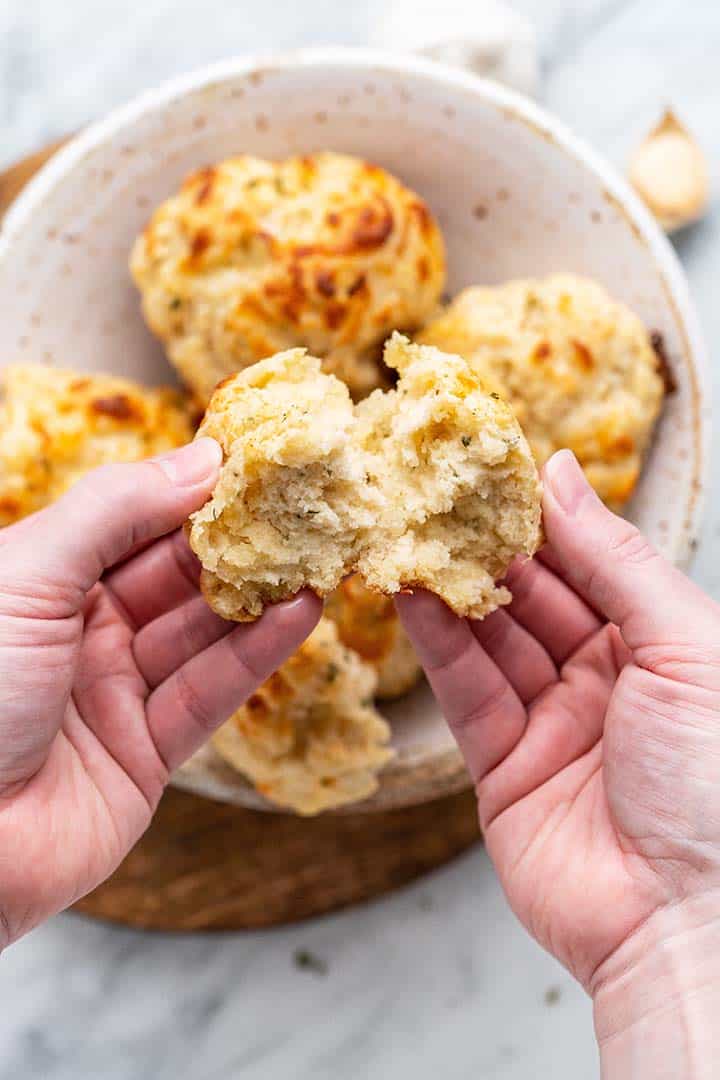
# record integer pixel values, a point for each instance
(543, 125)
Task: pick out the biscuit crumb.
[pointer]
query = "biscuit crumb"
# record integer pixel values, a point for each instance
(313, 488)
(305, 960)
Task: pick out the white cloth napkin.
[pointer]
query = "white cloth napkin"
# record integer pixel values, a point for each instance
(484, 36)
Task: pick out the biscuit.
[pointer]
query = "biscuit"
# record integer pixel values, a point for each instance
(577, 367)
(253, 257)
(56, 425)
(431, 484)
(310, 738)
(368, 623)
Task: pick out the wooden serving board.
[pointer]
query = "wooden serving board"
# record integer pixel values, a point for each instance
(206, 865)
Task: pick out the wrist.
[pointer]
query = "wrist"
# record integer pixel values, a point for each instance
(656, 1000)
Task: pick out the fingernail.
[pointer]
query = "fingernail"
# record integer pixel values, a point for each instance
(566, 480)
(191, 464)
(306, 598)
(292, 605)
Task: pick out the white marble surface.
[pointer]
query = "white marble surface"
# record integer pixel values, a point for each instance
(437, 979)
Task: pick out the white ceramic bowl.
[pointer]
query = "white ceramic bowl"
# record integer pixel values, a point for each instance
(515, 193)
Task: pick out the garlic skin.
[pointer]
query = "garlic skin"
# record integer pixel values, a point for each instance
(669, 172)
(483, 36)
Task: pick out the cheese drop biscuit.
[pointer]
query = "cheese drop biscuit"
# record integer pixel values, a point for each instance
(310, 738)
(577, 367)
(431, 484)
(56, 425)
(253, 257)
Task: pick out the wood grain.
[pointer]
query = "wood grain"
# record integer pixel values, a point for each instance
(205, 865)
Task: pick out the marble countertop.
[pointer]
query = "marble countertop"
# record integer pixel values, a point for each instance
(438, 978)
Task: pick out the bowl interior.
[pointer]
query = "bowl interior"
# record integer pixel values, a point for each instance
(514, 195)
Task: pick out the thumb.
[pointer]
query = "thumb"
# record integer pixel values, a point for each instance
(611, 564)
(108, 513)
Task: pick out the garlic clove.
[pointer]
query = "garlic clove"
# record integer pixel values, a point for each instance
(486, 37)
(669, 172)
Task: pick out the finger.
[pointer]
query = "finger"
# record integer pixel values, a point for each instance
(157, 580)
(521, 658)
(109, 695)
(615, 569)
(562, 728)
(484, 713)
(187, 707)
(166, 643)
(107, 513)
(548, 558)
(549, 609)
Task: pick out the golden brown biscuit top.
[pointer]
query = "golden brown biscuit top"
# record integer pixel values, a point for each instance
(56, 424)
(326, 204)
(367, 622)
(252, 257)
(578, 368)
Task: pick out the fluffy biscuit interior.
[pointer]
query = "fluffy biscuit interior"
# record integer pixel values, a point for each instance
(431, 484)
(459, 484)
(291, 495)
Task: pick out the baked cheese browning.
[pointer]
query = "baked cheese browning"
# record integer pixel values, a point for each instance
(368, 623)
(578, 368)
(310, 738)
(56, 425)
(253, 257)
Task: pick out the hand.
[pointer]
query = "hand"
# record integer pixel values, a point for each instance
(588, 713)
(108, 681)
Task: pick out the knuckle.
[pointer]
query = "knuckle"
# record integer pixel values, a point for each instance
(253, 671)
(193, 703)
(126, 491)
(155, 782)
(445, 651)
(5, 933)
(192, 629)
(625, 547)
(102, 479)
(523, 583)
(185, 559)
(155, 474)
(493, 700)
(628, 545)
(519, 574)
(495, 631)
(131, 476)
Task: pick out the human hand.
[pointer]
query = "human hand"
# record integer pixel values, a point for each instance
(111, 673)
(588, 713)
